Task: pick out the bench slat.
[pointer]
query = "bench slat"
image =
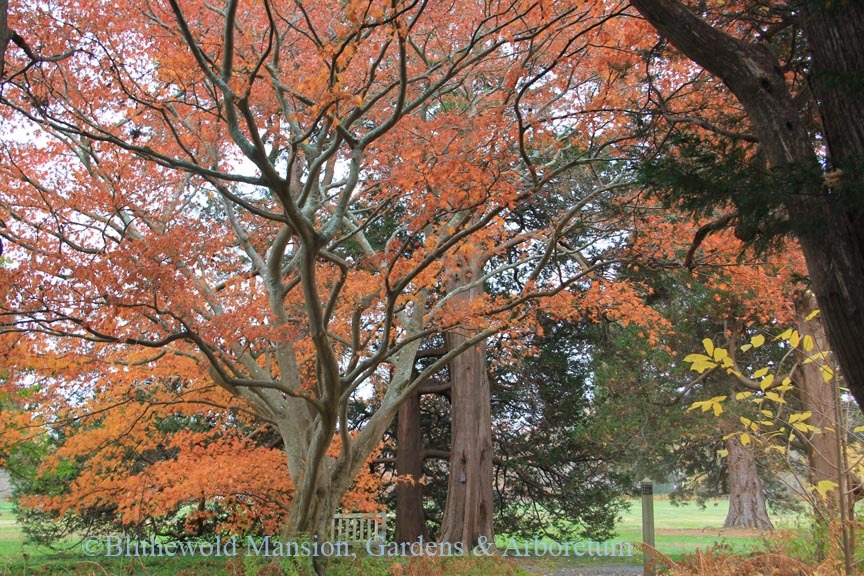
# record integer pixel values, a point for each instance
(357, 528)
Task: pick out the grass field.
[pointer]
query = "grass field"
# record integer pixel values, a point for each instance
(10, 535)
(681, 529)
(678, 530)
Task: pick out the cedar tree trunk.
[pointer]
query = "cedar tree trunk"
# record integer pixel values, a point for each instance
(468, 511)
(746, 497)
(410, 518)
(820, 398)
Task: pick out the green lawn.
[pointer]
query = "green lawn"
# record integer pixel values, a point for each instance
(681, 529)
(10, 534)
(678, 530)
(688, 517)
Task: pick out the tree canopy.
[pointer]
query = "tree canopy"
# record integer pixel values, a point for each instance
(274, 209)
(282, 194)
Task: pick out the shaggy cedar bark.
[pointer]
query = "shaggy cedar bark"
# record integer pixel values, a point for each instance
(833, 32)
(410, 518)
(833, 243)
(818, 397)
(468, 511)
(746, 496)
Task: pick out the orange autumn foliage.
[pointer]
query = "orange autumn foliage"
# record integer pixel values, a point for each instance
(747, 288)
(277, 196)
(174, 455)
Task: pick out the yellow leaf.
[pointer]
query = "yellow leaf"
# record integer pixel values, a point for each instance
(700, 363)
(709, 346)
(743, 395)
(767, 413)
(781, 449)
(766, 382)
(785, 335)
(795, 339)
(760, 373)
(785, 385)
(808, 343)
(824, 486)
(722, 453)
(746, 421)
(757, 340)
(827, 373)
(800, 417)
(775, 397)
(712, 404)
(858, 429)
(721, 354)
(746, 347)
(814, 357)
(800, 426)
(812, 315)
(745, 439)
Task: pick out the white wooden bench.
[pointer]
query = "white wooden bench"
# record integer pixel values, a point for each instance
(358, 527)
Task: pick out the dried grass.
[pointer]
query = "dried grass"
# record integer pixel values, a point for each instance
(715, 562)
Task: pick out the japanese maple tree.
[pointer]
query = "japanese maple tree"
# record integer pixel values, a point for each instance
(295, 196)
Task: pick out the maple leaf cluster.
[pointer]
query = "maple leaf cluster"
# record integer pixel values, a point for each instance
(145, 450)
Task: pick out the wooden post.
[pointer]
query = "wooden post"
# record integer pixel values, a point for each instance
(648, 526)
